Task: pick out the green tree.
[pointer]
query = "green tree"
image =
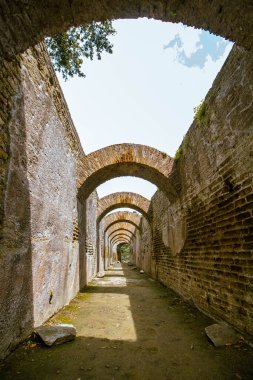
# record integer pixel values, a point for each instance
(68, 49)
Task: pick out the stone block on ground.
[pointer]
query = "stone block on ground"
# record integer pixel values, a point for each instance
(57, 334)
(221, 334)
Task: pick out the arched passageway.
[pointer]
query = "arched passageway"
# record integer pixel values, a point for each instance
(113, 244)
(123, 252)
(116, 250)
(214, 205)
(122, 199)
(112, 224)
(121, 219)
(26, 23)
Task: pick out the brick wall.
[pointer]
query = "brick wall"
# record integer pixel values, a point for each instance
(203, 240)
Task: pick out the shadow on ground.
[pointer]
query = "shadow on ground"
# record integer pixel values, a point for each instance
(131, 327)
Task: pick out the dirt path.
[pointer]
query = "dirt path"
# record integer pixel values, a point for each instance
(130, 327)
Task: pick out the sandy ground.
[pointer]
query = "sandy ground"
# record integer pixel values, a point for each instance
(131, 327)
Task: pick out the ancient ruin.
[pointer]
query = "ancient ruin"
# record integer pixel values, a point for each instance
(195, 235)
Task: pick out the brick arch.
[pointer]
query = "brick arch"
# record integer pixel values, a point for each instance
(113, 241)
(121, 230)
(121, 238)
(121, 233)
(25, 23)
(125, 160)
(127, 222)
(121, 216)
(123, 226)
(122, 199)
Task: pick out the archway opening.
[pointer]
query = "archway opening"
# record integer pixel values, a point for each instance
(123, 252)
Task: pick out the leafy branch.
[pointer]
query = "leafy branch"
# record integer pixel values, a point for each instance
(67, 50)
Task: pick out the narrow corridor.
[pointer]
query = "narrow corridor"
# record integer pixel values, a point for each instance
(131, 327)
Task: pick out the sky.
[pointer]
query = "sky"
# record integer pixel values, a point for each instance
(144, 92)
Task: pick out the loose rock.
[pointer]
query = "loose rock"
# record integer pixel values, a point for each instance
(221, 334)
(57, 334)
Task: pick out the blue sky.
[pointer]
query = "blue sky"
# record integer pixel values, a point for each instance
(145, 91)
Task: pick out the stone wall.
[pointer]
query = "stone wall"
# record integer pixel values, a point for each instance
(16, 301)
(39, 225)
(146, 245)
(203, 240)
(91, 236)
(51, 174)
(88, 250)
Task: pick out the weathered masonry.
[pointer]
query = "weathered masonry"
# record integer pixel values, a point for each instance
(196, 233)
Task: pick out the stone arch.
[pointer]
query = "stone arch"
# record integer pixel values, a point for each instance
(23, 20)
(125, 160)
(121, 216)
(122, 199)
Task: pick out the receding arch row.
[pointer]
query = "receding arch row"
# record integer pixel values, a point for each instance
(122, 199)
(121, 239)
(121, 233)
(125, 160)
(28, 22)
(117, 229)
(121, 217)
(113, 241)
